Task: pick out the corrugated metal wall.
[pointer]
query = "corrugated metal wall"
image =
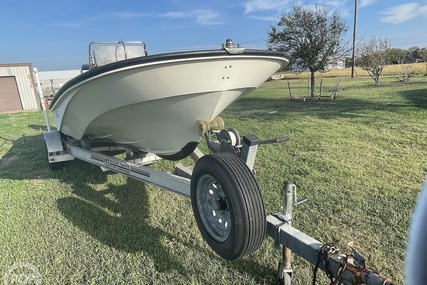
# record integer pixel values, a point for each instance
(23, 73)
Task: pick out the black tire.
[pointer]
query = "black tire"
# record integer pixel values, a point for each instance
(228, 205)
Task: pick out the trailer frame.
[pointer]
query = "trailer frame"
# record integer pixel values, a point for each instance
(340, 268)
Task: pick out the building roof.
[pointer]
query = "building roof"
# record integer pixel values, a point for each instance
(60, 74)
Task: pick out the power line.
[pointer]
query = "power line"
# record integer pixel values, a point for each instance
(253, 41)
(354, 39)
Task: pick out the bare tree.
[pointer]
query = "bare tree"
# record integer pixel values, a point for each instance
(406, 72)
(311, 36)
(373, 56)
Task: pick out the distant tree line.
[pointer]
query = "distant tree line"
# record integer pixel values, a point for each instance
(375, 53)
(398, 56)
(313, 39)
(411, 55)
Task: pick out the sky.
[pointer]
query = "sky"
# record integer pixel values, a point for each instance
(54, 35)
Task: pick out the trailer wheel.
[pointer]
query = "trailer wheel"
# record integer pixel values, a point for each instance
(227, 205)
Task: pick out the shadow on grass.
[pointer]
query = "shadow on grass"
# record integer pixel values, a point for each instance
(123, 224)
(26, 159)
(119, 223)
(39, 127)
(117, 215)
(417, 97)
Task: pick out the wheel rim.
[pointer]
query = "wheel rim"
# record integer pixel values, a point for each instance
(213, 208)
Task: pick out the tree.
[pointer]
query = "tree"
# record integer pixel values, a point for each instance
(373, 57)
(423, 54)
(414, 54)
(311, 36)
(406, 72)
(396, 55)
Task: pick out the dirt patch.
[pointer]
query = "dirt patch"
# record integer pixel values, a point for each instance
(36, 176)
(6, 162)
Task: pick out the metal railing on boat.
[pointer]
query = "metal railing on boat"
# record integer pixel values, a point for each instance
(101, 53)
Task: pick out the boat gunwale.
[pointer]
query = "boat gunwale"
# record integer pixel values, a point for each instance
(153, 59)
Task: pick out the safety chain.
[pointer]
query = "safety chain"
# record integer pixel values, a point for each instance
(341, 269)
(355, 264)
(324, 253)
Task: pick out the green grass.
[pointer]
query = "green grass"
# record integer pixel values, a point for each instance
(360, 160)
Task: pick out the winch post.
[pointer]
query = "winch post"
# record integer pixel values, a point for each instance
(249, 150)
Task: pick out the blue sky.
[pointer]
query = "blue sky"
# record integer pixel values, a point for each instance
(54, 35)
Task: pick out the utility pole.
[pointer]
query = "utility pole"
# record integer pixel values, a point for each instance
(354, 39)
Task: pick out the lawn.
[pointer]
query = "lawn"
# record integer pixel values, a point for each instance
(360, 160)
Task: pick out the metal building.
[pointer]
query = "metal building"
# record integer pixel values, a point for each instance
(17, 87)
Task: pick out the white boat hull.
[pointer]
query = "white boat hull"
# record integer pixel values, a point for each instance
(154, 106)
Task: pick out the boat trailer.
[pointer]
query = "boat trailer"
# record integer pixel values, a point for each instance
(222, 188)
